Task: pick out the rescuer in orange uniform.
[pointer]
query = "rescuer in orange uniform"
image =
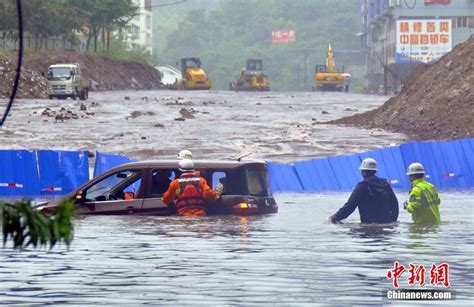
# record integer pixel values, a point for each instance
(190, 191)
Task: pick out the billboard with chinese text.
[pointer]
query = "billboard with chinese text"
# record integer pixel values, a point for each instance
(283, 36)
(423, 40)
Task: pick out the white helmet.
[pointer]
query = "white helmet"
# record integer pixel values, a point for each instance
(415, 168)
(185, 154)
(186, 166)
(368, 164)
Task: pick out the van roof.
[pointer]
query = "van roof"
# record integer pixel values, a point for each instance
(63, 65)
(197, 163)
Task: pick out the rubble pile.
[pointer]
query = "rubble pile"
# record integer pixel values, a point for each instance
(436, 103)
(104, 74)
(60, 114)
(32, 83)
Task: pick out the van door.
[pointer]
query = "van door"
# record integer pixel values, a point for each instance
(156, 186)
(114, 195)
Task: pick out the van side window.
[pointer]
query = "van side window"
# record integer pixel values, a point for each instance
(114, 186)
(160, 181)
(220, 177)
(217, 177)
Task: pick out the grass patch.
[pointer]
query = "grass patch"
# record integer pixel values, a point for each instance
(132, 55)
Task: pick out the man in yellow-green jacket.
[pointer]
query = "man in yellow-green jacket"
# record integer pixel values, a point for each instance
(423, 202)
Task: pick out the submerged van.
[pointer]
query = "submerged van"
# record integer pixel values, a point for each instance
(137, 189)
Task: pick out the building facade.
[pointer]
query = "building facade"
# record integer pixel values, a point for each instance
(140, 30)
(397, 35)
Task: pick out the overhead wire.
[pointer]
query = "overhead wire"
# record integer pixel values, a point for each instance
(19, 63)
(164, 4)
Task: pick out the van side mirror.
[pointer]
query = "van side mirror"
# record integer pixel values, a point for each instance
(43, 74)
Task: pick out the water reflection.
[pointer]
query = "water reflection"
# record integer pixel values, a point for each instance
(378, 233)
(288, 258)
(244, 229)
(421, 235)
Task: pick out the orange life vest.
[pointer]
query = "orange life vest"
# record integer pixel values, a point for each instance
(190, 200)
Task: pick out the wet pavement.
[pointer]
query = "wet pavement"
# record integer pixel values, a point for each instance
(276, 126)
(288, 258)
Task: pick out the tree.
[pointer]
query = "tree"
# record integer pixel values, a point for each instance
(225, 35)
(8, 20)
(26, 226)
(104, 16)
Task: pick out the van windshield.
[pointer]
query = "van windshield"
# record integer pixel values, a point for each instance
(257, 181)
(59, 73)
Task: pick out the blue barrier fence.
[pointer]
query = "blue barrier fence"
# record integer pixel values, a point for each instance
(105, 162)
(449, 165)
(43, 172)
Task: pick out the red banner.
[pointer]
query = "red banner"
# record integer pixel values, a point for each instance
(283, 36)
(428, 2)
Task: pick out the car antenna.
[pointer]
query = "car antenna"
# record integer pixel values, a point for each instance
(240, 158)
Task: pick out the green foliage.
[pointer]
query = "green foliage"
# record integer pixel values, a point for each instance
(136, 55)
(228, 33)
(27, 226)
(104, 16)
(44, 19)
(119, 51)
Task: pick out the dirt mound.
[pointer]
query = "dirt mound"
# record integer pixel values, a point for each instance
(105, 74)
(437, 101)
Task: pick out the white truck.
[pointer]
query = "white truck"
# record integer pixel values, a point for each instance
(66, 80)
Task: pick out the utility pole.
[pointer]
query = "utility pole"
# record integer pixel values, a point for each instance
(305, 52)
(298, 69)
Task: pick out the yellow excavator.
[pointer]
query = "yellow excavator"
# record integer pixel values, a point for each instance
(252, 78)
(327, 78)
(193, 76)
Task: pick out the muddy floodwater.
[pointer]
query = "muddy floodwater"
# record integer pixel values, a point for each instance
(288, 258)
(277, 126)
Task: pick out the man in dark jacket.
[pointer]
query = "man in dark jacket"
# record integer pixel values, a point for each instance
(373, 196)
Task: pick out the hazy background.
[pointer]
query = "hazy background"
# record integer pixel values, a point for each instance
(225, 33)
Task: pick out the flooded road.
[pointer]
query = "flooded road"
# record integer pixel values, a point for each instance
(288, 258)
(276, 126)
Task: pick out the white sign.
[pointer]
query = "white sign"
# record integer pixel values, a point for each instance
(423, 40)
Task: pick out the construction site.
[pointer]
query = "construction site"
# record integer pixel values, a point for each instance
(215, 173)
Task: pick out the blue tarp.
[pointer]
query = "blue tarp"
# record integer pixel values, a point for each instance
(309, 176)
(283, 177)
(18, 174)
(104, 162)
(31, 173)
(60, 172)
(316, 175)
(390, 165)
(448, 164)
(345, 169)
(468, 149)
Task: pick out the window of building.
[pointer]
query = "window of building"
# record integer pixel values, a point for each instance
(470, 22)
(461, 22)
